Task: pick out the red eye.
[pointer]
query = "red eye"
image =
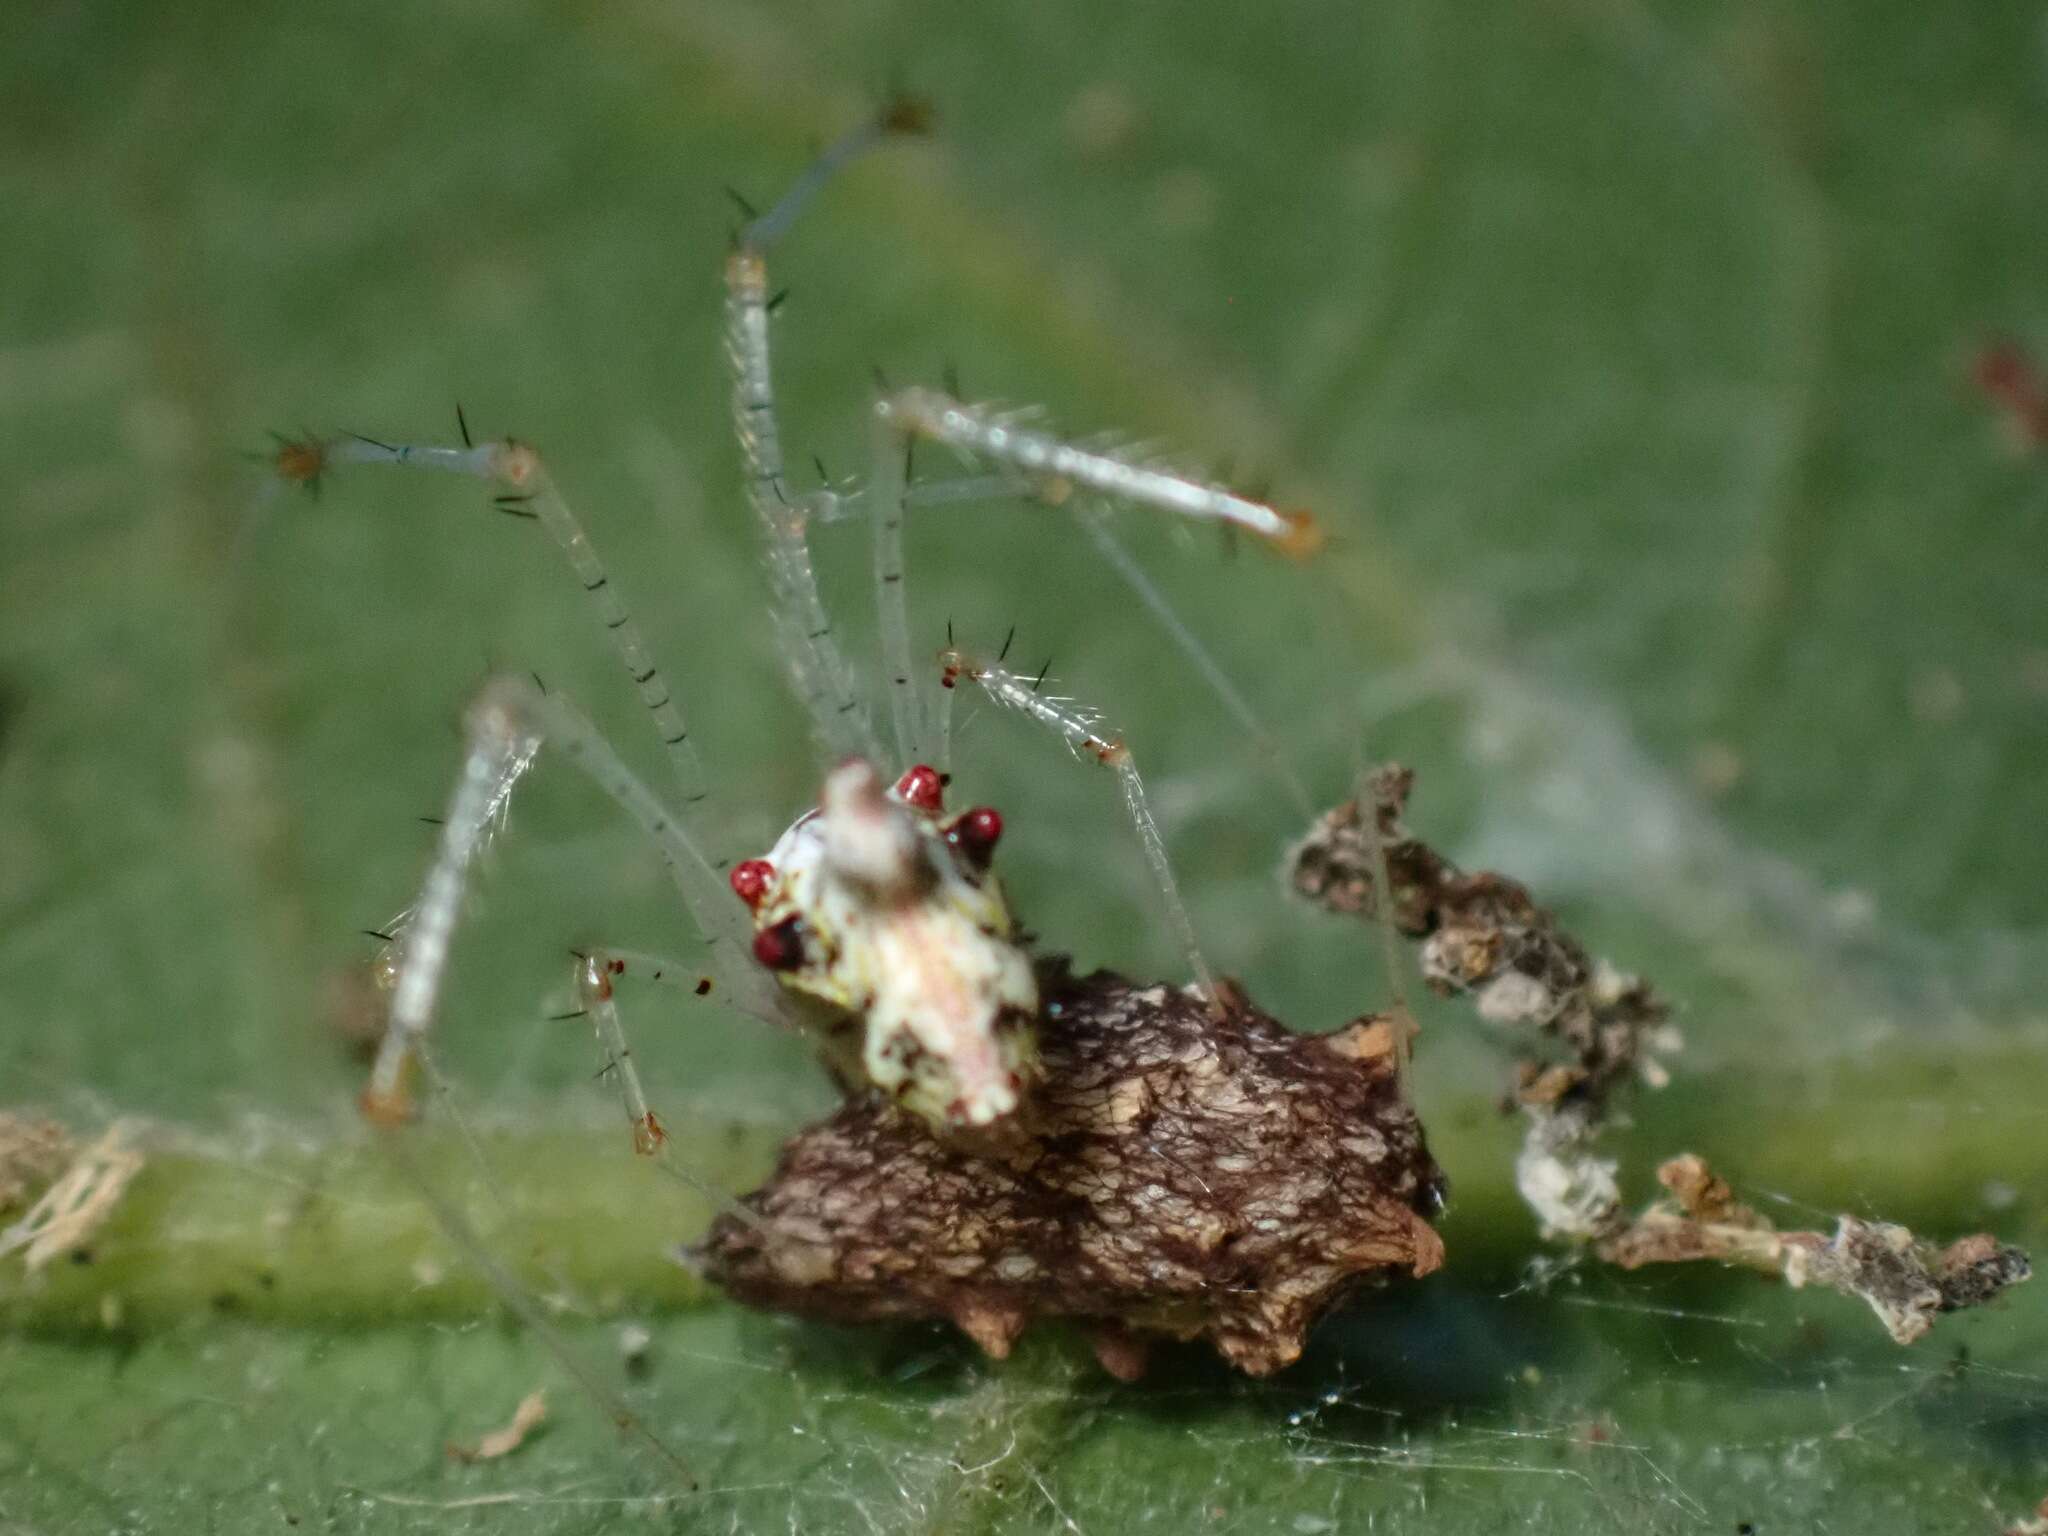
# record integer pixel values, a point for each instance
(781, 948)
(977, 833)
(751, 879)
(921, 789)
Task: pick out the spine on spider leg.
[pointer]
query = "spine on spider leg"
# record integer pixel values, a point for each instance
(656, 697)
(944, 762)
(1076, 726)
(822, 679)
(1059, 468)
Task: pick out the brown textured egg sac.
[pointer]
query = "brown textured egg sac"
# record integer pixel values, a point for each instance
(1178, 1173)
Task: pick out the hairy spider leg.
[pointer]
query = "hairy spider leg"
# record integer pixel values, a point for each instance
(499, 751)
(818, 671)
(506, 728)
(1039, 465)
(529, 492)
(1075, 724)
(1059, 468)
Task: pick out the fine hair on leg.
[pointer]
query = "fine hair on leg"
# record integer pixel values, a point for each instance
(1076, 724)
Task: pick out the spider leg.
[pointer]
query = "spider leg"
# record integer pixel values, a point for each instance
(596, 971)
(1056, 469)
(818, 670)
(1030, 463)
(527, 490)
(506, 728)
(1076, 725)
(886, 488)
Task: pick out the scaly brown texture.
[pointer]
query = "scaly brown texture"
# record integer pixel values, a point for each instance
(1177, 1173)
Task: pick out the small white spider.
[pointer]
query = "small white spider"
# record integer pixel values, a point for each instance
(876, 921)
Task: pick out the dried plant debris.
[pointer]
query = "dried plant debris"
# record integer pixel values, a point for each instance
(78, 1203)
(33, 1151)
(1180, 1172)
(531, 1413)
(1906, 1282)
(1586, 1030)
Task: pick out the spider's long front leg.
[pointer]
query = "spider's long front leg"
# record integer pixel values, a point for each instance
(1076, 725)
(526, 490)
(506, 728)
(818, 669)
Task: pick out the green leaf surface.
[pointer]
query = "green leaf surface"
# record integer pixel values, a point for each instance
(1624, 349)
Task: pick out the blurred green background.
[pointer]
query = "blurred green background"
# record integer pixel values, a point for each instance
(1624, 347)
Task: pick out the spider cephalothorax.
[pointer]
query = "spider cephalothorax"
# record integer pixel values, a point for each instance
(882, 914)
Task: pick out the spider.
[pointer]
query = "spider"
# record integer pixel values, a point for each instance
(876, 922)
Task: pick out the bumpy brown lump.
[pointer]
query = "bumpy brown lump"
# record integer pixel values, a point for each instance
(1178, 1173)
